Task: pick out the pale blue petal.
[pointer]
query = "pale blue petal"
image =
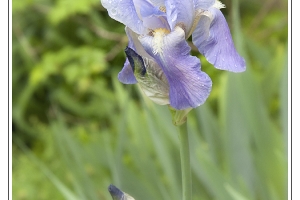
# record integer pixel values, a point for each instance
(146, 9)
(158, 3)
(189, 86)
(151, 15)
(153, 22)
(124, 11)
(126, 75)
(213, 39)
(180, 13)
(204, 4)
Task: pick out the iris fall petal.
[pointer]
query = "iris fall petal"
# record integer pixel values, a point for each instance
(189, 87)
(213, 39)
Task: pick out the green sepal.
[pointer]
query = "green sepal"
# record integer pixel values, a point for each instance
(150, 77)
(179, 117)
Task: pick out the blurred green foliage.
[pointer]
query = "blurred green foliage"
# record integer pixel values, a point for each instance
(76, 129)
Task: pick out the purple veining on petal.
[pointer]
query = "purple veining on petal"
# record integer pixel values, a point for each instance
(189, 86)
(157, 32)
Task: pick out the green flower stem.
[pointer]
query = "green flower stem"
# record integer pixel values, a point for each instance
(185, 163)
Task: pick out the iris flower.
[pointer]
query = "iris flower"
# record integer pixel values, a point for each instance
(158, 55)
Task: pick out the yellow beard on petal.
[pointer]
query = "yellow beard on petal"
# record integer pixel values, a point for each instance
(163, 9)
(158, 35)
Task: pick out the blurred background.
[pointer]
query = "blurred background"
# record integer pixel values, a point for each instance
(77, 129)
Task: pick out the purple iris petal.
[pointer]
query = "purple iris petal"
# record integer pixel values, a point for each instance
(189, 87)
(126, 75)
(158, 3)
(154, 22)
(213, 39)
(204, 4)
(147, 9)
(180, 13)
(151, 15)
(124, 11)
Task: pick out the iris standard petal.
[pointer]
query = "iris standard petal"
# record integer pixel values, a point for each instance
(145, 8)
(213, 39)
(151, 15)
(158, 3)
(189, 87)
(124, 11)
(204, 4)
(180, 13)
